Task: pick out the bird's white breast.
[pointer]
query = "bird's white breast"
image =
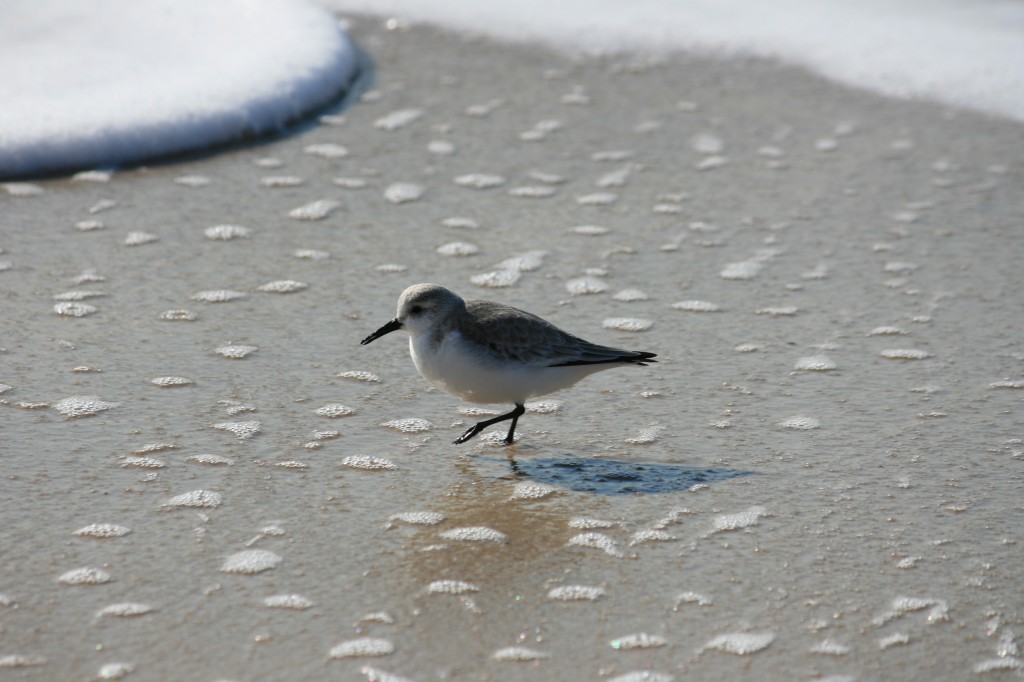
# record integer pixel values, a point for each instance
(472, 373)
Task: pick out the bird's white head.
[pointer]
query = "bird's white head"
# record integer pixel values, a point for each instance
(420, 307)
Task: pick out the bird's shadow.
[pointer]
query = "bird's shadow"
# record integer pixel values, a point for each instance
(614, 476)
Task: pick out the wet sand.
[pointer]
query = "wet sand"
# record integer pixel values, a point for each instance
(820, 479)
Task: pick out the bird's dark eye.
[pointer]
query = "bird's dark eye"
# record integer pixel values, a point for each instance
(416, 310)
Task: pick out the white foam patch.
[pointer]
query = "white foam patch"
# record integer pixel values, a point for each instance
(420, 518)
(103, 530)
(124, 610)
(740, 643)
(369, 463)
(87, 575)
(576, 593)
(295, 602)
(596, 541)
(956, 51)
(125, 81)
(363, 646)
(451, 587)
(640, 640)
(251, 561)
(195, 498)
(475, 534)
(518, 653)
(82, 406)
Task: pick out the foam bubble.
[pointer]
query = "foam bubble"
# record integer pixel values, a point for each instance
(363, 646)
(524, 262)
(217, 295)
(518, 653)
(527, 490)
(421, 518)
(543, 406)
(631, 295)
(178, 315)
(192, 180)
(576, 593)
(115, 671)
(195, 498)
(397, 119)
(830, 648)
(651, 535)
(283, 286)
(739, 520)
(497, 279)
(170, 381)
(143, 462)
(295, 602)
(251, 561)
(740, 643)
(226, 232)
(378, 675)
(243, 430)
(20, 661)
(74, 309)
(82, 406)
(743, 270)
(315, 210)
(800, 423)
(692, 598)
(904, 354)
(368, 463)
(696, 306)
(640, 640)
(77, 295)
(236, 351)
(585, 285)
(597, 541)
(643, 676)
(124, 610)
(212, 460)
(583, 523)
(326, 150)
(139, 238)
(627, 324)
(409, 425)
(461, 223)
(532, 192)
(103, 530)
(458, 249)
(451, 587)
(350, 183)
(597, 199)
(474, 534)
(334, 410)
(403, 192)
(87, 575)
(479, 181)
(815, 363)
(778, 311)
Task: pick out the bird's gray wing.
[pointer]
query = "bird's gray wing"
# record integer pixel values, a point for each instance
(523, 337)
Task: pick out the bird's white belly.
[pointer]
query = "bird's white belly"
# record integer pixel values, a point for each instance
(462, 370)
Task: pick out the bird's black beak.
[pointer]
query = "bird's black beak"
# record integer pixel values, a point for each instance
(393, 325)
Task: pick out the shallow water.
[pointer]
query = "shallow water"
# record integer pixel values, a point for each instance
(820, 478)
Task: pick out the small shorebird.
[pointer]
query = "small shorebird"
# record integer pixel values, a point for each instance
(486, 352)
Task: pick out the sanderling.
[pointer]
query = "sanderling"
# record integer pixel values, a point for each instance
(486, 352)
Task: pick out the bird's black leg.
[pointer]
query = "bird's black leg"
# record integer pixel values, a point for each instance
(480, 426)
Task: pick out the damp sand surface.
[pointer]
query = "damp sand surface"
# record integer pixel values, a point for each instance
(207, 477)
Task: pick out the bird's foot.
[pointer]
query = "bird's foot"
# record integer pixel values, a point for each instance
(470, 432)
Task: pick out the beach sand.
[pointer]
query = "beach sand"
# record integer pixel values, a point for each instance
(819, 479)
